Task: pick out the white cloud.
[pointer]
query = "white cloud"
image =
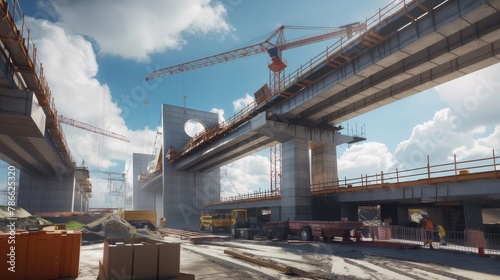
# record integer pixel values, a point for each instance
(480, 148)
(136, 29)
(459, 129)
(241, 103)
(245, 175)
(220, 113)
(469, 128)
(70, 67)
(367, 158)
(474, 98)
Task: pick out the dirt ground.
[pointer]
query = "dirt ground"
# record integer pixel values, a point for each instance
(323, 260)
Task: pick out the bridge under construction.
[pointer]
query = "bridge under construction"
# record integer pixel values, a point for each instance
(405, 48)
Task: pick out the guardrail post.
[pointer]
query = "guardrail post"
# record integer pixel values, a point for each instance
(428, 170)
(455, 166)
(494, 164)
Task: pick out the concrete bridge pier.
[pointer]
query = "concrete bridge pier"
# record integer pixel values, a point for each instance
(142, 199)
(349, 211)
(323, 164)
(295, 184)
(473, 215)
(396, 214)
(184, 193)
(46, 194)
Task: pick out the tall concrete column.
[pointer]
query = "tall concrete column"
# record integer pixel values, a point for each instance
(473, 215)
(141, 199)
(349, 211)
(46, 194)
(323, 164)
(184, 193)
(295, 181)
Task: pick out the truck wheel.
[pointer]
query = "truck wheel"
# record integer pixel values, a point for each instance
(234, 232)
(305, 234)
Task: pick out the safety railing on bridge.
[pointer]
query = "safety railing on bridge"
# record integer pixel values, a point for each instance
(257, 195)
(478, 241)
(336, 49)
(16, 19)
(428, 174)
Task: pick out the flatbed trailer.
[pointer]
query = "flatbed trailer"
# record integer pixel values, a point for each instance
(308, 230)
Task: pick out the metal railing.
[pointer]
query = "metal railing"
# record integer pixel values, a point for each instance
(448, 172)
(257, 195)
(466, 241)
(429, 174)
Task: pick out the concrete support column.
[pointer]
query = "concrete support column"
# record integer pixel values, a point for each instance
(349, 211)
(397, 214)
(46, 194)
(403, 216)
(325, 208)
(141, 200)
(473, 215)
(323, 165)
(276, 214)
(295, 181)
(185, 193)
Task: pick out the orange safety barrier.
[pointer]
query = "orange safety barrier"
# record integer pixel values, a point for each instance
(40, 255)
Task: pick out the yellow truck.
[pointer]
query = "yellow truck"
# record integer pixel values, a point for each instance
(216, 222)
(205, 221)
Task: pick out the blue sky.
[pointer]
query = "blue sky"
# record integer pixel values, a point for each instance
(96, 67)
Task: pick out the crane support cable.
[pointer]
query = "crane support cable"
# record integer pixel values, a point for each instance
(91, 128)
(318, 37)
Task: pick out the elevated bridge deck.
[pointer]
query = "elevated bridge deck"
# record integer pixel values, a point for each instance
(409, 46)
(30, 133)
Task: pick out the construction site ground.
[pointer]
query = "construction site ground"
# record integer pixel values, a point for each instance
(213, 257)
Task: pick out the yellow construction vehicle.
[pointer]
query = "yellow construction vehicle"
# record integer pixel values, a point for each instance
(239, 219)
(215, 222)
(205, 221)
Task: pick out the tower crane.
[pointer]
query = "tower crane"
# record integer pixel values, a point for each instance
(91, 128)
(273, 45)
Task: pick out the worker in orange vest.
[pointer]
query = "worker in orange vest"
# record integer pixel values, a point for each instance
(429, 229)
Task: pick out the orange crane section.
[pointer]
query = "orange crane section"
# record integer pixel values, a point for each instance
(274, 44)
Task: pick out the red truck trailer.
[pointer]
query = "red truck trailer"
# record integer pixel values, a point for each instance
(307, 230)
